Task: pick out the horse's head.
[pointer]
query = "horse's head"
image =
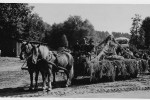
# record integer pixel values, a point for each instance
(25, 50)
(35, 53)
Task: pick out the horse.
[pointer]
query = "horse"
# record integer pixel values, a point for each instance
(62, 61)
(25, 54)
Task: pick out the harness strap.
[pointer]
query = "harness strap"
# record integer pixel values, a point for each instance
(59, 67)
(53, 64)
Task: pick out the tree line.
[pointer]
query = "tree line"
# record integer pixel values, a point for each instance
(140, 32)
(17, 21)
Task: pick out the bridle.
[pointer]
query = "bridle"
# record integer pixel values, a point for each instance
(26, 50)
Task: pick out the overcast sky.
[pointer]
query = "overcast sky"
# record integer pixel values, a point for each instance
(104, 17)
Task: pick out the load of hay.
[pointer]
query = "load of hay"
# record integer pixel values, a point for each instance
(121, 71)
(113, 62)
(101, 69)
(111, 70)
(124, 60)
(132, 67)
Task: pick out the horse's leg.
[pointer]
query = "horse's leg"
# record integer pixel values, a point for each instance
(44, 80)
(49, 81)
(70, 75)
(36, 79)
(31, 79)
(68, 81)
(53, 76)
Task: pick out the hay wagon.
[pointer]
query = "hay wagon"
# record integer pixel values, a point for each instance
(109, 67)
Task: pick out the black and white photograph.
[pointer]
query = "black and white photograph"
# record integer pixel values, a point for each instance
(75, 50)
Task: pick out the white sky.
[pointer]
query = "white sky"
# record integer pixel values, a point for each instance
(104, 17)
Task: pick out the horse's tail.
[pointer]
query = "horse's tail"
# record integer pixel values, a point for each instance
(71, 64)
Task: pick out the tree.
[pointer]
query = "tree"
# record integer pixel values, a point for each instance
(12, 23)
(68, 32)
(12, 19)
(76, 28)
(146, 29)
(47, 32)
(54, 37)
(36, 29)
(100, 35)
(137, 35)
(119, 34)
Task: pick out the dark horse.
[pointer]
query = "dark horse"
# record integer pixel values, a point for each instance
(62, 61)
(25, 54)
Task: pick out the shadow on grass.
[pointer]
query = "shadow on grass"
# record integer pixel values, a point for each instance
(24, 91)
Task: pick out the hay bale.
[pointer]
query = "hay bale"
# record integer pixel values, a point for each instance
(101, 69)
(95, 71)
(121, 71)
(108, 70)
(132, 67)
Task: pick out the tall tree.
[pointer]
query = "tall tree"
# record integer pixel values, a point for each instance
(34, 27)
(146, 29)
(137, 35)
(54, 37)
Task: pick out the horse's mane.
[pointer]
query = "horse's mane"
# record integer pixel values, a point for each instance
(45, 47)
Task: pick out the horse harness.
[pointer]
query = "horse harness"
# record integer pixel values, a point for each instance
(50, 60)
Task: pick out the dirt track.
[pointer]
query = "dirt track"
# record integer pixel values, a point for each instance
(14, 82)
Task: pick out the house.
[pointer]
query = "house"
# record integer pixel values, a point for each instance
(10, 47)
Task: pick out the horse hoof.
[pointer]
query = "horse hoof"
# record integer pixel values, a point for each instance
(36, 88)
(44, 88)
(30, 89)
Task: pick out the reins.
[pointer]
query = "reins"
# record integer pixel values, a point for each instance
(22, 67)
